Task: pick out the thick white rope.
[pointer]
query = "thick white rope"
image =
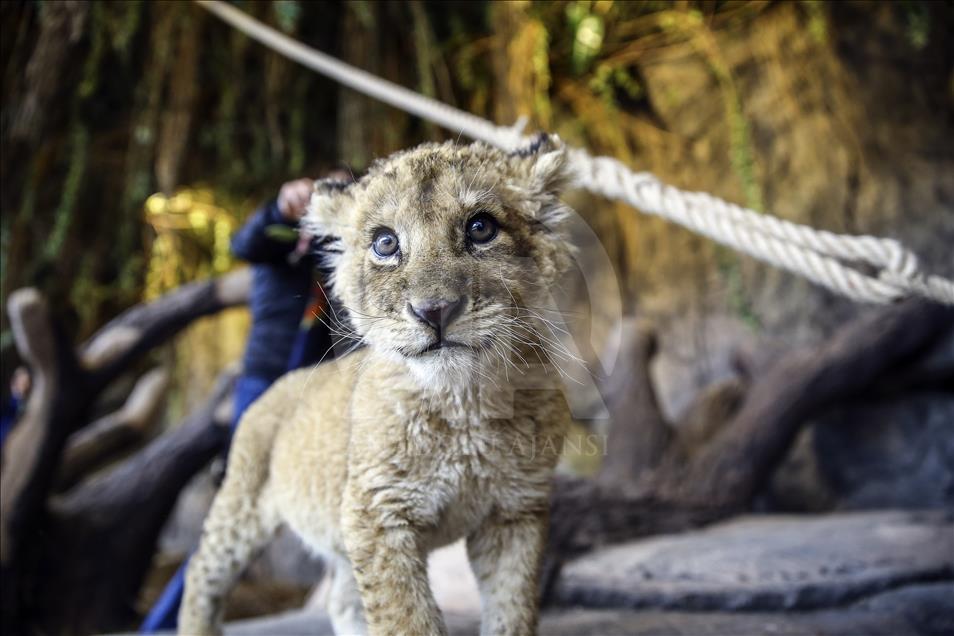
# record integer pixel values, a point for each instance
(819, 256)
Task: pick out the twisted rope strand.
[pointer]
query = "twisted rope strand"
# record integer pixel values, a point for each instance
(820, 256)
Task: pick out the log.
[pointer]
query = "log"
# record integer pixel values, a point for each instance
(32, 451)
(65, 388)
(639, 433)
(800, 385)
(23, 464)
(709, 411)
(720, 478)
(102, 535)
(933, 371)
(100, 442)
(110, 351)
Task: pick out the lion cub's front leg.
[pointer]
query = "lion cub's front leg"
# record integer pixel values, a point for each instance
(390, 566)
(505, 554)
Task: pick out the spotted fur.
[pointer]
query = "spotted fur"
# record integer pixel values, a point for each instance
(392, 451)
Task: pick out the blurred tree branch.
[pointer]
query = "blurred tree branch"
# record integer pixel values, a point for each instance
(80, 529)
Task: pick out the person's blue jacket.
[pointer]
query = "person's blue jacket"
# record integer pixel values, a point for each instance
(280, 289)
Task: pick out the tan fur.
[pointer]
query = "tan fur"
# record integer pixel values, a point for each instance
(387, 453)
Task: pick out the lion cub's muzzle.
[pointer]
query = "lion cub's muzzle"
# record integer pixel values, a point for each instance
(438, 314)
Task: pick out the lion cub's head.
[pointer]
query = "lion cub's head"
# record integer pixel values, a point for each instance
(442, 253)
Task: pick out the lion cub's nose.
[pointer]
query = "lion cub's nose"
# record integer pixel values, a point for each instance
(437, 313)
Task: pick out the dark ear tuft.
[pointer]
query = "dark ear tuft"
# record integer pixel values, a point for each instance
(543, 164)
(540, 142)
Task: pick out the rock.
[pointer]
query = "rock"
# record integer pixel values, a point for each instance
(656, 623)
(767, 563)
(867, 454)
(929, 608)
(894, 454)
(919, 610)
(798, 483)
(923, 610)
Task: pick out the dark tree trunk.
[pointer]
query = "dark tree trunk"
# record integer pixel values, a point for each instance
(639, 433)
(107, 528)
(102, 441)
(71, 563)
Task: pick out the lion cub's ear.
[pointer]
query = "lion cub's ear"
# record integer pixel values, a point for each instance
(541, 173)
(327, 211)
(328, 218)
(543, 165)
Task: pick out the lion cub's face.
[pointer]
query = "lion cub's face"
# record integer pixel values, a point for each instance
(445, 251)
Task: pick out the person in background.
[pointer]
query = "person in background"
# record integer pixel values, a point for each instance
(288, 330)
(286, 301)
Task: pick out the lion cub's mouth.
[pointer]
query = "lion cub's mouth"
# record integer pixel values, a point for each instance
(437, 345)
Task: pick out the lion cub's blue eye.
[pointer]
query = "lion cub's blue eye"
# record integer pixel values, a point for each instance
(481, 228)
(385, 243)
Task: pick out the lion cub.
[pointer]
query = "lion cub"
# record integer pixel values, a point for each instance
(446, 425)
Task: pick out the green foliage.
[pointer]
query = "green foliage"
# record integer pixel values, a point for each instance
(91, 67)
(63, 217)
(121, 21)
(424, 51)
(79, 138)
(362, 9)
(5, 233)
(817, 20)
(588, 31)
(730, 270)
(296, 128)
(742, 153)
(287, 13)
(607, 79)
(917, 24)
(577, 67)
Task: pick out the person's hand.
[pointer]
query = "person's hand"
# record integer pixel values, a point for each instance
(293, 198)
(20, 383)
